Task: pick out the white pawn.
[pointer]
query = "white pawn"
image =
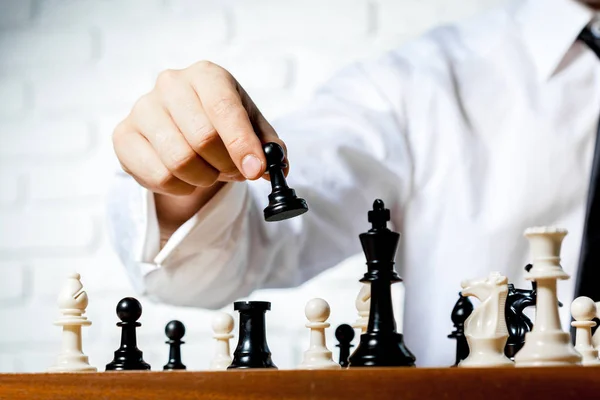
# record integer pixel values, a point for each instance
(222, 326)
(363, 306)
(583, 310)
(72, 301)
(317, 356)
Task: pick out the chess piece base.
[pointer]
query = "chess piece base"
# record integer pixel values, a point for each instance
(589, 356)
(318, 360)
(174, 367)
(486, 352)
(382, 350)
(547, 349)
(280, 211)
(72, 363)
(220, 363)
(246, 361)
(128, 361)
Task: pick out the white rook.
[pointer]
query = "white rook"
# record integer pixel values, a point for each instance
(546, 344)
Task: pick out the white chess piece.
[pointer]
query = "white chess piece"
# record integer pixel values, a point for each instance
(72, 301)
(317, 356)
(547, 344)
(222, 325)
(583, 310)
(363, 306)
(485, 328)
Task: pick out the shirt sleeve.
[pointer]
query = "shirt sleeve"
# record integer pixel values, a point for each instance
(346, 148)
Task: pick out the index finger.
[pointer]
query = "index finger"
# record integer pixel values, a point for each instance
(222, 104)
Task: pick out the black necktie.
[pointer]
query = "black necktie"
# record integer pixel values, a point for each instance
(588, 275)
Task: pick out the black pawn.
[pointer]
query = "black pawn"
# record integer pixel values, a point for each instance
(344, 335)
(128, 356)
(381, 345)
(283, 202)
(461, 311)
(252, 350)
(174, 330)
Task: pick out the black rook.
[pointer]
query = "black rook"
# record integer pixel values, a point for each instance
(252, 350)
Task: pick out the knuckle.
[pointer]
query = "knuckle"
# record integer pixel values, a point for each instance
(181, 161)
(209, 67)
(164, 180)
(226, 107)
(204, 65)
(141, 106)
(207, 138)
(167, 78)
(117, 134)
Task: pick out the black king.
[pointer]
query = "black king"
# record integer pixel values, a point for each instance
(381, 345)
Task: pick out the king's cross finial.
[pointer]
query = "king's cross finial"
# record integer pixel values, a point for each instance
(379, 216)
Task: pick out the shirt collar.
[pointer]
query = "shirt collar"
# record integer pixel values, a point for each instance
(549, 29)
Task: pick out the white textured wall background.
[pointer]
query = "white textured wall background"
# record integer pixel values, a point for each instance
(71, 69)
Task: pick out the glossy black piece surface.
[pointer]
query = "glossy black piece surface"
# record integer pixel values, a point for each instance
(283, 202)
(252, 350)
(175, 330)
(344, 335)
(381, 345)
(517, 322)
(128, 356)
(461, 311)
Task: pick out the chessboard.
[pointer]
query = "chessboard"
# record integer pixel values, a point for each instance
(500, 352)
(564, 383)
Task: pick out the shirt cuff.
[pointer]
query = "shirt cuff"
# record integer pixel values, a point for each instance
(210, 224)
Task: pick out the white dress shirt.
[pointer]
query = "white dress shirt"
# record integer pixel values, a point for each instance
(470, 134)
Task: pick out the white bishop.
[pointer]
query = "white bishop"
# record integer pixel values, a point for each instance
(72, 301)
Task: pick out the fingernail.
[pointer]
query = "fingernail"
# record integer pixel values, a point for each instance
(251, 166)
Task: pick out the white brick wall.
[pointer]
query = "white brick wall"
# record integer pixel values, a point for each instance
(71, 69)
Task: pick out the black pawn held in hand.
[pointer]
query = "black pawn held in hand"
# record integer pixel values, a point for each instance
(252, 350)
(128, 356)
(381, 345)
(344, 335)
(283, 202)
(175, 330)
(461, 311)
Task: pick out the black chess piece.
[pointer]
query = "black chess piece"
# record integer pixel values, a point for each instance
(252, 350)
(461, 311)
(381, 345)
(175, 330)
(518, 324)
(283, 202)
(128, 356)
(344, 335)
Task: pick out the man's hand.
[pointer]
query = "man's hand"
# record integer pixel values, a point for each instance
(196, 128)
